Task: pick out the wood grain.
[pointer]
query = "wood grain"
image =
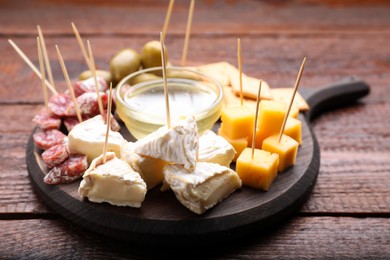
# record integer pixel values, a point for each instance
(303, 237)
(210, 17)
(340, 38)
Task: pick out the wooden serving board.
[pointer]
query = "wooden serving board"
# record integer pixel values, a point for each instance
(162, 220)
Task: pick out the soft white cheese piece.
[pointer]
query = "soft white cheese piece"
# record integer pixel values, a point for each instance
(150, 169)
(88, 138)
(114, 182)
(179, 144)
(215, 149)
(203, 187)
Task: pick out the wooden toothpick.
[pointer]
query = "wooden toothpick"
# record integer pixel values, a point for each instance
(93, 70)
(292, 98)
(164, 70)
(256, 115)
(31, 65)
(167, 18)
(81, 44)
(108, 123)
(45, 56)
(239, 58)
(42, 68)
(70, 88)
(188, 31)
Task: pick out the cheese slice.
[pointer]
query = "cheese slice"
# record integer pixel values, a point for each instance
(215, 149)
(114, 182)
(203, 187)
(88, 138)
(150, 169)
(179, 144)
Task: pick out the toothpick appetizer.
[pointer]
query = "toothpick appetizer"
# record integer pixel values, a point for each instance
(93, 70)
(257, 168)
(188, 32)
(237, 120)
(31, 65)
(282, 144)
(164, 71)
(107, 172)
(167, 18)
(70, 88)
(45, 56)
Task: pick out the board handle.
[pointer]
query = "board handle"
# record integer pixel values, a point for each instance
(339, 94)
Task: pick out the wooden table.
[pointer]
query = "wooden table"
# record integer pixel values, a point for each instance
(346, 215)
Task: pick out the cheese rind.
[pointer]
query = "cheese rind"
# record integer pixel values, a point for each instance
(287, 149)
(150, 169)
(114, 182)
(203, 187)
(179, 144)
(88, 138)
(215, 149)
(258, 172)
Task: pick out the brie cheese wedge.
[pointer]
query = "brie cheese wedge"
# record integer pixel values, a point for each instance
(179, 144)
(114, 182)
(203, 187)
(215, 149)
(150, 169)
(88, 138)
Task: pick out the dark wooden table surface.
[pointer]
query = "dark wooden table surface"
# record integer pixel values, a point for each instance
(347, 213)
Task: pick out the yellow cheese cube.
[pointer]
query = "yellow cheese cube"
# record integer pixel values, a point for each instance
(270, 119)
(237, 121)
(294, 112)
(293, 129)
(239, 144)
(258, 172)
(287, 149)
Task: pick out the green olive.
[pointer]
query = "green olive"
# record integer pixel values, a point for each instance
(124, 63)
(86, 74)
(151, 54)
(143, 77)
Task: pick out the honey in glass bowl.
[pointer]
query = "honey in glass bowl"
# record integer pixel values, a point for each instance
(140, 99)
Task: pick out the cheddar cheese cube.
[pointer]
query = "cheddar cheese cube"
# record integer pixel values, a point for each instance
(258, 172)
(287, 149)
(239, 144)
(294, 112)
(270, 119)
(293, 129)
(237, 121)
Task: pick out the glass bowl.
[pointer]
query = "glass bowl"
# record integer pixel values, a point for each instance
(140, 99)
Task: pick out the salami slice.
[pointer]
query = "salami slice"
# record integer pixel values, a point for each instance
(45, 121)
(72, 121)
(68, 171)
(59, 103)
(88, 85)
(45, 139)
(55, 155)
(88, 104)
